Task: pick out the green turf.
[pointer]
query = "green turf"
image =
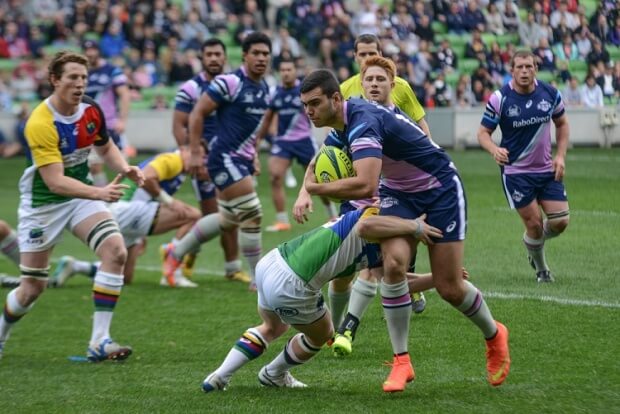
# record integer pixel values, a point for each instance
(562, 342)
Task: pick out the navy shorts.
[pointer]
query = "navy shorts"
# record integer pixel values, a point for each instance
(303, 151)
(521, 189)
(445, 208)
(226, 170)
(204, 189)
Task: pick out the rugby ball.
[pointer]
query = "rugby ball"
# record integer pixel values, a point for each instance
(332, 164)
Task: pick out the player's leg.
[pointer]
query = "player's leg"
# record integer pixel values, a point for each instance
(9, 244)
(279, 162)
(447, 268)
(557, 217)
(397, 309)
(363, 292)
(94, 225)
(338, 294)
(534, 240)
(19, 301)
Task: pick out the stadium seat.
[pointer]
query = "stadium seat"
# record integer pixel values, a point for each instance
(439, 27)
(614, 53)
(577, 65)
(8, 65)
(545, 76)
(589, 6)
(468, 65)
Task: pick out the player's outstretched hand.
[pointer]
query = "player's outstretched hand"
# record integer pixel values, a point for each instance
(424, 232)
(302, 206)
(113, 191)
(135, 174)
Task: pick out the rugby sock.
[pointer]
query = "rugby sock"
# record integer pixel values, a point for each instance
(338, 304)
(282, 217)
(232, 266)
(288, 358)
(204, 230)
(250, 242)
(250, 346)
(476, 309)
(331, 209)
(10, 247)
(548, 231)
(13, 312)
(536, 250)
(362, 295)
(397, 310)
(100, 179)
(106, 291)
(86, 268)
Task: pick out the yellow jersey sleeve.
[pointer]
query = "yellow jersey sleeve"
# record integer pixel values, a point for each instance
(404, 98)
(42, 138)
(352, 87)
(167, 165)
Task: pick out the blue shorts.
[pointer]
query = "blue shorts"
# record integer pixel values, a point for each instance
(204, 189)
(445, 208)
(226, 170)
(303, 151)
(521, 189)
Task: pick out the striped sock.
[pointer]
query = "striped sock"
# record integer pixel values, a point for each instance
(288, 358)
(536, 250)
(204, 230)
(250, 242)
(13, 312)
(475, 308)
(397, 309)
(338, 304)
(10, 247)
(106, 291)
(250, 346)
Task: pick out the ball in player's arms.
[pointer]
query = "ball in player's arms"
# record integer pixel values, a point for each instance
(332, 164)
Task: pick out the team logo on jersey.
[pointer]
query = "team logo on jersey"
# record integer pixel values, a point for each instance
(64, 144)
(275, 149)
(451, 226)
(543, 106)
(517, 196)
(90, 127)
(278, 102)
(513, 111)
(221, 178)
(388, 202)
(288, 98)
(248, 97)
(528, 104)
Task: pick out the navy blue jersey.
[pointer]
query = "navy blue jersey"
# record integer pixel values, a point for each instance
(188, 95)
(102, 84)
(525, 123)
(242, 104)
(411, 162)
(293, 123)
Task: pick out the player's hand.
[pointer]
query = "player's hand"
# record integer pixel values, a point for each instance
(424, 232)
(559, 168)
(302, 206)
(500, 155)
(256, 165)
(113, 191)
(465, 274)
(135, 174)
(196, 163)
(119, 127)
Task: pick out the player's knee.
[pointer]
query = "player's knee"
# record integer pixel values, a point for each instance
(452, 293)
(5, 229)
(114, 253)
(272, 332)
(558, 222)
(340, 284)
(194, 214)
(276, 179)
(394, 266)
(242, 209)
(33, 283)
(534, 227)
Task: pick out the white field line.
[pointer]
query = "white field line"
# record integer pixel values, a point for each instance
(594, 213)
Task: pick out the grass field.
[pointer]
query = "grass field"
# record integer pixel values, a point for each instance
(564, 336)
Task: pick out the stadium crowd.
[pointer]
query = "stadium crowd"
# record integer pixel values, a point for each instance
(453, 53)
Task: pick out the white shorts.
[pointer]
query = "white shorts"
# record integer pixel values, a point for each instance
(40, 228)
(135, 218)
(283, 292)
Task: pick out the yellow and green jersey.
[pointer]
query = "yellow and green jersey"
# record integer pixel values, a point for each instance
(402, 95)
(169, 169)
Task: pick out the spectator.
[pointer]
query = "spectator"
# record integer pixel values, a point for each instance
(584, 46)
(194, 32)
(482, 74)
(598, 54)
(419, 66)
(600, 28)
(591, 93)
(496, 66)
(440, 9)
(160, 103)
(152, 66)
(464, 96)
(180, 69)
(546, 30)
(530, 32)
(614, 34)
(217, 21)
(443, 91)
(113, 42)
(478, 92)
(545, 58)
(473, 19)
(424, 30)
(6, 97)
(285, 41)
(510, 17)
(365, 19)
(476, 48)
(23, 85)
(606, 81)
(445, 58)
(494, 20)
(418, 12)
(17, 46)
(454, 20)
(562, 13)
(403, 25)
(36, 42)
(246, 26)
(567, 49)
(572, 93)
(136, 32)
(561, 31)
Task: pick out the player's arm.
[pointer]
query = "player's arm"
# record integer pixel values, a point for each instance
(204, 107)
(561, 137)
(489, 122)
(376, 227)
(363, 185)
(113, 158)
(180, 121)
(266, 125)
(124, 102)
